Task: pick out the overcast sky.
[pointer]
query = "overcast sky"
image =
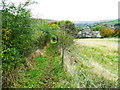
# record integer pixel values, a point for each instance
(74, 10)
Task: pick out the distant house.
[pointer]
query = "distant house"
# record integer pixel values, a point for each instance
(112, 26)
(88, 33)
(52, 22)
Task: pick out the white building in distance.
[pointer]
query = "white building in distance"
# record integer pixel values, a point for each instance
(88, 33)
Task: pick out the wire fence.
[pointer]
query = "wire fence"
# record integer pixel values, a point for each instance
(77, 71)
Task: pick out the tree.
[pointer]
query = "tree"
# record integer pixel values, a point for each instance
(107, 32)
(98, 28)
(68, 26)
(44, 32)
(64, 40)
(17, 39)
(117, 31)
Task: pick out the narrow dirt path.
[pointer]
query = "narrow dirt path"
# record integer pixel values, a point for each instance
(49, 75)
(48, 68)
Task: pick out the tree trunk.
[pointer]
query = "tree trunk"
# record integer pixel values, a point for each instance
(62, 56)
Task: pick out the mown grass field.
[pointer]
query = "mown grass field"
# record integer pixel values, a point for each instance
(98, 60)
(104, 52)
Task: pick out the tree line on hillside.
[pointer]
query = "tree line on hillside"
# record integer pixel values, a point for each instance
(107, 31)
(104, 30)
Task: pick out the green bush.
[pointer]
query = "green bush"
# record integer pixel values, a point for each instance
(17, 39)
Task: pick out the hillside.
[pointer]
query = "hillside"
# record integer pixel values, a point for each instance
(83, 24)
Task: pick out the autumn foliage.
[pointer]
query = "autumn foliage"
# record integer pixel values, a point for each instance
(107, 32)
(117, 31)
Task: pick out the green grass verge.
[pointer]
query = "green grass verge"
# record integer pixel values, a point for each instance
(45, 73)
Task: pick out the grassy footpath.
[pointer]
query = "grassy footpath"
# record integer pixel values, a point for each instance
(45, 72)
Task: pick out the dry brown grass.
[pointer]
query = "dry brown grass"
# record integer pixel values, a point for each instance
(98, 42)
(102, 51)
